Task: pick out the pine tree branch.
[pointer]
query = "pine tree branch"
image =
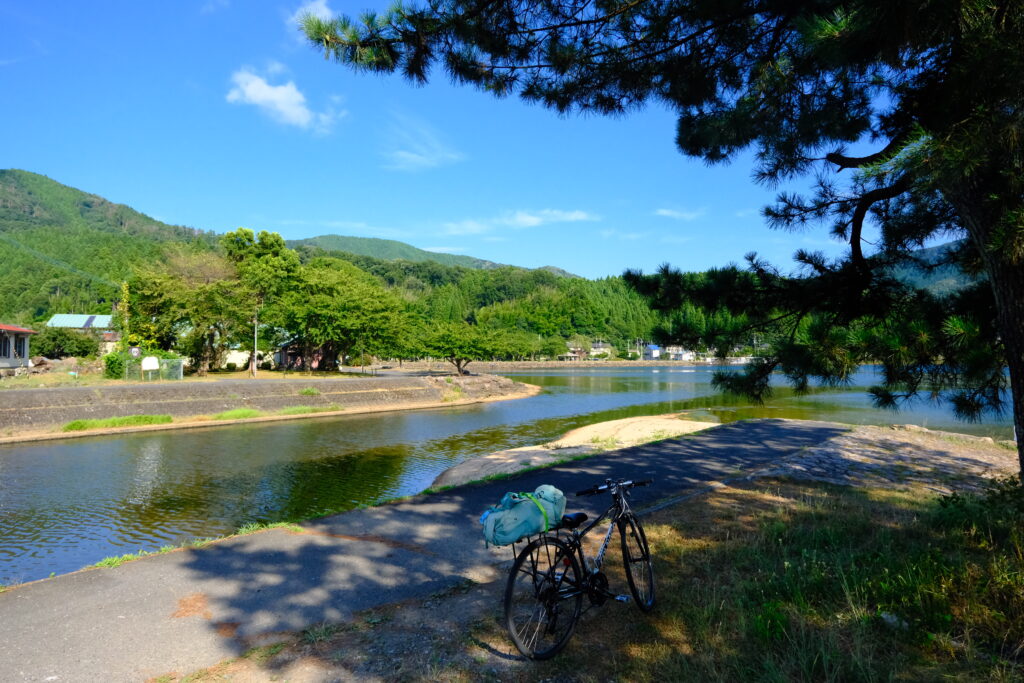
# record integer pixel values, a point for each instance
(844, 162)
(865, 202)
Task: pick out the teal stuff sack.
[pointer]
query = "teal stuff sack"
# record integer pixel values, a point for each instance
(523, 514)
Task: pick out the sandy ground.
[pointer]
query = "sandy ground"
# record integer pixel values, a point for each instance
(596, 438)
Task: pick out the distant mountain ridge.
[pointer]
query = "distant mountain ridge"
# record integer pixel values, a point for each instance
(389, 250)
(63, 250)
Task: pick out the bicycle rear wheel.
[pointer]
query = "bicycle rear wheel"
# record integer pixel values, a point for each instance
(636, 555)
(543, 598)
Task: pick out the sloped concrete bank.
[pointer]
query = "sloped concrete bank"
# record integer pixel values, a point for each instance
(37, 413)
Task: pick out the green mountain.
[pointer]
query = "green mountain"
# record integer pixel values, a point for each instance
(66, 251)
(389, 250)
(935, 269)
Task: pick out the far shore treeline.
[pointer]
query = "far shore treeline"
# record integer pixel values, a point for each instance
(199, 294)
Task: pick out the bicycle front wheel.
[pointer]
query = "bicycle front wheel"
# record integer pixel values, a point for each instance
(543, 598)
(636, 555)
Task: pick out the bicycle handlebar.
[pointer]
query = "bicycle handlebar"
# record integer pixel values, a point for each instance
(621, 484)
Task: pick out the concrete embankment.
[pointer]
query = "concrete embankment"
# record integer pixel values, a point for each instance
(39, 412)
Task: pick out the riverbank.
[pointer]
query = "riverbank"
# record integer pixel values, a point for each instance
(776, 572)
(40, 414)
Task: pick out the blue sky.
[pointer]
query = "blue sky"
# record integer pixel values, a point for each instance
(215, 114)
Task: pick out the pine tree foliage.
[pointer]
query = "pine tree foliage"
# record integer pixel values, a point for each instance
(932, 88)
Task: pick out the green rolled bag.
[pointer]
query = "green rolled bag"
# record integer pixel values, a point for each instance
(519, 515)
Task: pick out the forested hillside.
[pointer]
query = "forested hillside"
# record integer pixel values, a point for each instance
(388, 250)
(63, 250)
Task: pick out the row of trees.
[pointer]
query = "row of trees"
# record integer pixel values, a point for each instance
(258, 294)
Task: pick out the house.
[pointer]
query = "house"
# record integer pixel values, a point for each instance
(100, 326)
(679, 353)
(652, 352)
(14, 347)
(601, 348)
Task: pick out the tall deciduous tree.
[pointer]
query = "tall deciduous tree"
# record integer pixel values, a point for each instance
(266, 269)
(934, 85)
(340, 309)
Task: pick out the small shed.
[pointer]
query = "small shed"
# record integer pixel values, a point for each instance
(652, 352)
(14, 346)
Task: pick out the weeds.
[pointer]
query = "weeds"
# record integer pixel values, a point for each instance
(112, 422)
(309, 391)
(319, 633)
(238, 414)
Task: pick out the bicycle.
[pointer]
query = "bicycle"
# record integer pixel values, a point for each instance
(552, 574)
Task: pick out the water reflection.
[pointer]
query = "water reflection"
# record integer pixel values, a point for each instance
(67, 504)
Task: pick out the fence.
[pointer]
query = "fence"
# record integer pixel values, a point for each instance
(170, 368)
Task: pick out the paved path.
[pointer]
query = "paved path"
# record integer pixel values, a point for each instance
(190, 609)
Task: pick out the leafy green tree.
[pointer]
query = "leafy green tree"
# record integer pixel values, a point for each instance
(459, 343)
(57, 342)
(933, 85)
(266, 269)
(340, 309)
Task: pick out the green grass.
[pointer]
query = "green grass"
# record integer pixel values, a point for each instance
(253, 527)
(309, 391)
(110, 422)
(260, 655)
(239, 414)
(118, 560)
(319, 633)
(307, 410)
(814, 582)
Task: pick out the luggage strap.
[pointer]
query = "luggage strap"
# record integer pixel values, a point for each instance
(547, 522)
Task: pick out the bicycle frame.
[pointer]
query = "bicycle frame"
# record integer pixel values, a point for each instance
(618, 507)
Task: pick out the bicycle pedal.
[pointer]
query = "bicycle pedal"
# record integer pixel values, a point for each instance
(622, 598)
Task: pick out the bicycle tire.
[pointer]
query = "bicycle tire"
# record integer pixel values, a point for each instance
(543, 598)
(636, 556)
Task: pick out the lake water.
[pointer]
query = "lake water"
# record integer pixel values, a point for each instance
(67, 504)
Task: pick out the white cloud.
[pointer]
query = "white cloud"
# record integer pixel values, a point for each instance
(283, 103)
(518, 219)
(414, 145)
(527, 219)
(317, 8)
(746, 213)
(681, 215)
(275, 68)
(675, 239)
(445, 250)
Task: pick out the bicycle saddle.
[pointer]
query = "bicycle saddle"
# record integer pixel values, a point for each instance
(574, 520)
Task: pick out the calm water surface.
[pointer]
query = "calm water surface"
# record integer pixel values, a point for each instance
(67, 504)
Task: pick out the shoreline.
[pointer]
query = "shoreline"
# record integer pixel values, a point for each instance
(200, 421)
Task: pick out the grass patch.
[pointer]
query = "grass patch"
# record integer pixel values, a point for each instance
(110, 422)
(253, 527)
(239, 414)
(307, 410)
(261, 655)
(814, 582)
(455, 393)
(309, 391)
(118, 560)
(319, 633)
